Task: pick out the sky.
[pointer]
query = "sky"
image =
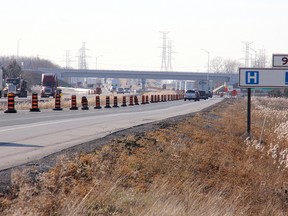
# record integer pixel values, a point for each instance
(125, 34)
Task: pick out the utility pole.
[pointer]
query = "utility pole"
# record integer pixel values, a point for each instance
(164, 51)
(247, 48)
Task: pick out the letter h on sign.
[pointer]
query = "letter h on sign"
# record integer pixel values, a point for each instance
(252, 77)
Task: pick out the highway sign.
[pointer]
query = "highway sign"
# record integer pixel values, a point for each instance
(280, 60)
(263, 77)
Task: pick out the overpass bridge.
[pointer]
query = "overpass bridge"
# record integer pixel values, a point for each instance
(130, 74)
(143, 75)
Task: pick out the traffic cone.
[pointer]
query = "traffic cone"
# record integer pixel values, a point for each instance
(58, 103)
(11, 104)
(97, 103)
(34, 103)
(124, 102)
(73, 103)
(115, 102)
(108, 102)
(84, 103)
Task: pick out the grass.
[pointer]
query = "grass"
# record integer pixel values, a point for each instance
(201, 166)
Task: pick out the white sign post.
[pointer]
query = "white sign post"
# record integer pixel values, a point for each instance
(280, 60)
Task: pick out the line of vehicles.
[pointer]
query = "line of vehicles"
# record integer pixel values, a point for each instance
(18, 86)
(196, 95)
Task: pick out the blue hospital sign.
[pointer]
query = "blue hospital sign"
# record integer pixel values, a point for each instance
(252, 77)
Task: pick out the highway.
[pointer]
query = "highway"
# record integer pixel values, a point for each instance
(26, 136)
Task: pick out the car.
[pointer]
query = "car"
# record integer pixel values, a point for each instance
(120, 91)
(203, 95)
(127, 90)
(191, 95)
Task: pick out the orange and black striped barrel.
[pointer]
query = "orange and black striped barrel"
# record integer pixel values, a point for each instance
(131, 101)
(107, 102)
(73, 103)
(84, 103)
(147, 99)
(124, 104)
(115, 102)
(35, 107)
(143, 99)
(58, 103)
(11, 103)
(97, 102)
(136, 100)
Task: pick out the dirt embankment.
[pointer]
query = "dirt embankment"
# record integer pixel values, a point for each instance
(197, 164)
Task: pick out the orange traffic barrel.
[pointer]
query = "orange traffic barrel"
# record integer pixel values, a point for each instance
(11, 104)
(136, 102)
(107, 102)
(84, 103)
(152, 99)
(143, 99)
(124, 104)
(58, 103)
(131, 101)
(35, 107)
(97, 105)
(73, 103)
(115, 102)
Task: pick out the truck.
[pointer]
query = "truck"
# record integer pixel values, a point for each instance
(49, 85)
(17, 85)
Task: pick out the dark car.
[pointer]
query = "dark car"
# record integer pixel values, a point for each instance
(120, 91)
(203, 95)
(210, 94)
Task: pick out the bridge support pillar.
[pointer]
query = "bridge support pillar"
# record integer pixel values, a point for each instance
(143, 84)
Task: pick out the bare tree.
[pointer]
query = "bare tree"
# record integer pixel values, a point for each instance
(217, 64)
(231, 66)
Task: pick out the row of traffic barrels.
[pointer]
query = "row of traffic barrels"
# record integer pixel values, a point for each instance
(133, 100)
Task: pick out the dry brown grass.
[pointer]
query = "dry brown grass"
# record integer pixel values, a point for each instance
(201, 166)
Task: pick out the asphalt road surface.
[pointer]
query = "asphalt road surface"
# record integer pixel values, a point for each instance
(26, 136)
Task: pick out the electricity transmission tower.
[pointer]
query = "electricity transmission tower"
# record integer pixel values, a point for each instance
(164, 51)
(82, 64)
(169, 55)
(68, 59)
(247, 53)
